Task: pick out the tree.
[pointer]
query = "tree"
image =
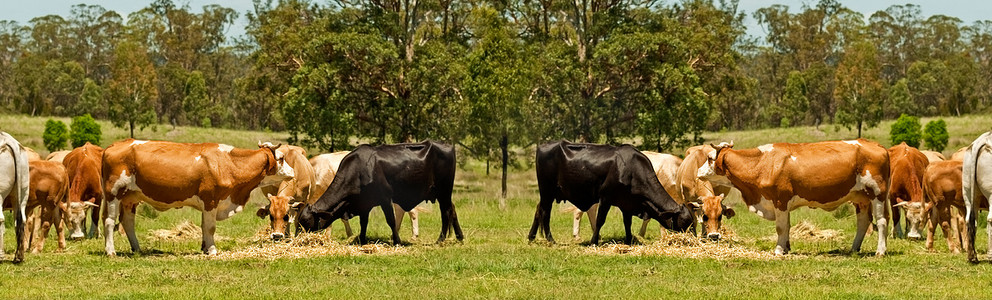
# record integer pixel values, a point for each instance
(196, 103)
(55, 135)
(935, 135)
(858, 92)
(84, 129)
(133, 94)
(92, 101)
(906, 130)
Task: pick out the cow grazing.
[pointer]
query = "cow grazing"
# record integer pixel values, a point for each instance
(589, 174)
(46, 201)
(976, 182)
(15, 183)
(404, 174)
(702, 193)
(289, 193)
(942, 190)
(84, 167)
(325, 166)
(775, 179)
(216, 179)
(58, 156)
(906, 166)
(31, 154)
(961, 153)
(933, 156)
(664, 165)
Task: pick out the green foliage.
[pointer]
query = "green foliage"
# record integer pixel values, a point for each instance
(55, 136)
(133, 94)
(858, 87)
(85, 129)
(935, 135)
(906, 129)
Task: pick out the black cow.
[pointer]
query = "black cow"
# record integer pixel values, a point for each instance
(405, 174)
(586, 174)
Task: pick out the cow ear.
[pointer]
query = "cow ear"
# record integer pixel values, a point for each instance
(263, 212)
(367, 158)
(623, 161)
(729, 212)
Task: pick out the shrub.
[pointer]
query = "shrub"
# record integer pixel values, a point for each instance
(55, 135)
(906, 129)
(85, 129)
(935, 135)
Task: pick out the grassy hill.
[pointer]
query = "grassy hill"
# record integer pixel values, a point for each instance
(496, 261)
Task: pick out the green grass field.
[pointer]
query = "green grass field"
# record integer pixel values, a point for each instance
(495, 260)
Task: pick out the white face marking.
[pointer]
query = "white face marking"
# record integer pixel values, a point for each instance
(138, 142)
(125, 182)
(793, 157)
(853, 142)
(766, 148)
(225, 148)
(197, 158)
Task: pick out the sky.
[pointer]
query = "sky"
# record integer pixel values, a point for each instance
(23, 11)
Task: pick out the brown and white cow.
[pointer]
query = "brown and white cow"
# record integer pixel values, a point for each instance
(906, 168)
(215, 179)
(46, 202)
(775, 179)
(933, 156)
(84, 167)
(58, 156)
(289, 193)
(942, 188)
(701, 192)
(15, 183)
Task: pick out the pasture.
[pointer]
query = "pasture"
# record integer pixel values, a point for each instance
(495, 260)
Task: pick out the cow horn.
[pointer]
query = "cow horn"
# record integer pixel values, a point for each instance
(260, 144)
(731, 143)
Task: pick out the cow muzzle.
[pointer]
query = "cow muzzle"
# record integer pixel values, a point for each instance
(714, 236)
(276, 236)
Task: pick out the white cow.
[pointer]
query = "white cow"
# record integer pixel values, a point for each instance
(976, 181)
(15, 182)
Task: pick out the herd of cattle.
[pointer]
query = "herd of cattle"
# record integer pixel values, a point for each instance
(217, 179)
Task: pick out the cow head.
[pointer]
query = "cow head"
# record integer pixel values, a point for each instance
(634, 170)
(75, 217)
(356, 171)
(712, 170)
(713, 212)
(282, 213)
(914, 216)
(281, 170)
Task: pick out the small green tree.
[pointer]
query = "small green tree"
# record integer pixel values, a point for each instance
(84, 129)
(935, 135)
(906, 129)
(55, 135)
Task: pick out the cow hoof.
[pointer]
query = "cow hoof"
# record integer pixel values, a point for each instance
(210, 251)
(779, 250)
(880, 254)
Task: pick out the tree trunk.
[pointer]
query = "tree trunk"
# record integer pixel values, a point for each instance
(131, 125)
(859, 129)
(503, 144)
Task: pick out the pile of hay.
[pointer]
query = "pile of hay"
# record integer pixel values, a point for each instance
(185, 230)
(688, 246)
(807, 231)
(303, 246)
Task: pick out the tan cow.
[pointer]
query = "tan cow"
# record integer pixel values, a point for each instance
(961, 153)
(215, 179)
(701, 192)
(933, 156)
(32, 155)
(942, 188)
(775, 179)
(665, 167)
(58, 156)
(46, 202)
(906, 168)
(84, 167)
(291, 192)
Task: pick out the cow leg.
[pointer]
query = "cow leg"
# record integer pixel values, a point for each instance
(347, 227)
(33, 226)
(397, 214)
(449, 220)
(592, 214)
(576, 222)
(628, 219)
(541, 216)
(59, 228)
(946, 224)
(94, 231)
(931, 227)
(111, 209)
(782, 227)
(127, 220)
(896, 215)
(604, 209)
(363, 221)
(878, 211)
(454, 223)
(208, 226)
(47, 213)
(644, 227)
(988, 231)
(415, 223)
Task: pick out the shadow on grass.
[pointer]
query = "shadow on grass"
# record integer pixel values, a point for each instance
(849, 253)
(145, 253)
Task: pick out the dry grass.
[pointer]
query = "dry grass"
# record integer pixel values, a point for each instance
(689, 246)
(806, 230)
(305, 245)
(185, 230)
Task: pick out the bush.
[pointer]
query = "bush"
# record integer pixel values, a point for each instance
(906, 129)
(55, 136)
(935, 135)
(85, 129)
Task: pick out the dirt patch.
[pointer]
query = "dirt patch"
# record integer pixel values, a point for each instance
(688, 246)
(304, 245)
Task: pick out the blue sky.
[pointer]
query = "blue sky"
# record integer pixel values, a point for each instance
(22, 11)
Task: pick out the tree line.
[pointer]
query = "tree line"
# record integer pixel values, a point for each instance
(488, 75)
